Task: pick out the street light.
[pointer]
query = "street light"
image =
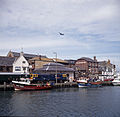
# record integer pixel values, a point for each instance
(56, 66)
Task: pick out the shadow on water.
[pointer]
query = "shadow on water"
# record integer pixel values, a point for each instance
(64, 102)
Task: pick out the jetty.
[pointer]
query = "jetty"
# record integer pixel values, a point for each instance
(6, 87)
(65, 85)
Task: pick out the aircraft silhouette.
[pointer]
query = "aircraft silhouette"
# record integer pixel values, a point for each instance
(61, 33)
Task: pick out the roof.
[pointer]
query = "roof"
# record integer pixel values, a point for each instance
(70, 61)
(53, 66)
(87, 59)
(41, 58)
(49, 59)
(105, 65)
(105, 69)
(60, 60)
(6, 61)
(27, 56)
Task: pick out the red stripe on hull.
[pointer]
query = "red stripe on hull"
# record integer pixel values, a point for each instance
(31, 87)
(96, 83)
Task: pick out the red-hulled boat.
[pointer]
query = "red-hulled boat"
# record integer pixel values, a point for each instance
(107, 81)
(27, 85)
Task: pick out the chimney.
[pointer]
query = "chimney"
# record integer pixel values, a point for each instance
(21, 54)
(108, 61)
(95, 58)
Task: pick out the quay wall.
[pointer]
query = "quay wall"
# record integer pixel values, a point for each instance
(65, 85)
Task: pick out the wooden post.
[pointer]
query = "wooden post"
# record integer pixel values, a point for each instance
(5, 86)
(10, 85)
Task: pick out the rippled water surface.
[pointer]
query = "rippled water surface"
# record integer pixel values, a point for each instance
(67, 102)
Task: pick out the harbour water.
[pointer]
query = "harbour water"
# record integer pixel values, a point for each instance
(64, 102)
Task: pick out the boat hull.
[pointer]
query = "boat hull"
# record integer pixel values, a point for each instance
(83, 85)
(30, 87)
(116, 83)
(91, 84)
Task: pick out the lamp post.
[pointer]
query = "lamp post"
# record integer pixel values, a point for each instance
(56, 66)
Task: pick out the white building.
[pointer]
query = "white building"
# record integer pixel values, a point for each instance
(107, 74)
(21, 65)
(106, 70)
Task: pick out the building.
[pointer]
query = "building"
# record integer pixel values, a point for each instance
(32, 59)
(71, 63)
(53, 68)
(38, 62)
(64, 62)
(6, 64)
(106, 70)
(21, 65)
(86, 67)
(13, 64)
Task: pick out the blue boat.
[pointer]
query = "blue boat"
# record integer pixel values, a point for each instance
(86, 83)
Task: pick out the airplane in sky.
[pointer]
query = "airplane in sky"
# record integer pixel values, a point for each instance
(61, 33)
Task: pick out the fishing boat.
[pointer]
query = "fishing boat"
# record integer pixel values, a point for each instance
(83, 83)
(116, 81)
(26, 84)
(88, 83)
(108, 81)
(96, 83)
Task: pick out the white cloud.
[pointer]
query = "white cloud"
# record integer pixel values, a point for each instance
(34, 14)
(36, 23)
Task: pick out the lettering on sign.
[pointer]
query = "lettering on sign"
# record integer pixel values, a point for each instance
(81, 62)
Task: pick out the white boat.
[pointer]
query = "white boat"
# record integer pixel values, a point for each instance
(82, 83)
(116, 81)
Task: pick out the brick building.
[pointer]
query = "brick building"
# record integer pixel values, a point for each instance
(86, 67)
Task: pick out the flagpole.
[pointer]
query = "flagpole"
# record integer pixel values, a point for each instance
(56, 66)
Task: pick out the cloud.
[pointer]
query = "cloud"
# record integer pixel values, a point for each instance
(41, 41)
(90, 26)
(54, 13)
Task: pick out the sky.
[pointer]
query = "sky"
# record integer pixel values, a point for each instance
(90, 28)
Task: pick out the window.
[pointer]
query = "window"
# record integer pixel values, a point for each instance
(89, 63)
(23, 62)
(17, 68)
(33, 63)
(24, 68)
(1, 68)
(8, 69)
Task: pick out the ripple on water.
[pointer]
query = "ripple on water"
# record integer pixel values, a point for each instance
(68, 102)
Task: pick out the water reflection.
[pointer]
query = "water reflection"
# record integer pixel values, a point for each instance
(68, 102)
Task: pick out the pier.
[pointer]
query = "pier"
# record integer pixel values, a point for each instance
(6, 87)
(65, 85)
